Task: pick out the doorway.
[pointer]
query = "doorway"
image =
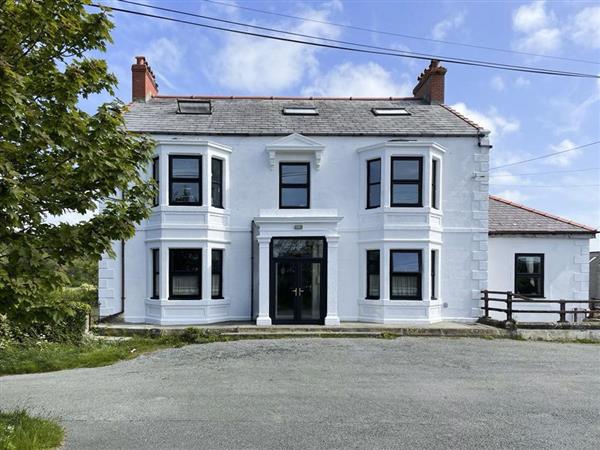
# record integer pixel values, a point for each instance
(298, 280)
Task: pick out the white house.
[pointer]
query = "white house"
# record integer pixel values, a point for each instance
(305, 210)
(538, 255)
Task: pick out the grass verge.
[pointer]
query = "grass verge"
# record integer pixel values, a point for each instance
(19, 431)
(51, 356)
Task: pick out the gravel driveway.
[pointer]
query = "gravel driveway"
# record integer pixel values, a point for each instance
(328, 393)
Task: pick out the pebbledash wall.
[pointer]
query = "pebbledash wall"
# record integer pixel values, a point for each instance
(458, 231)
(566, 270)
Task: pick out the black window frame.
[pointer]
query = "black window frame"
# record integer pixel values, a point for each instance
(433, 273)
(434, 183)
(294, 185)
(171, 273)
(370, 183)
(156, 178)
(173, 179)
(418, 275)
(368, 296)
(418, 182)
(220, 183)
(155, 273)
(531, 275)
(216, 271)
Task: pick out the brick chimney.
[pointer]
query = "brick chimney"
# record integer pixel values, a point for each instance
(143, 82)
(430, 84)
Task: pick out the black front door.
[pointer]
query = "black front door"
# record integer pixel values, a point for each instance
(298, 281)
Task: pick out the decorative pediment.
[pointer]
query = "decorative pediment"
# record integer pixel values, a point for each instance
(295, 144)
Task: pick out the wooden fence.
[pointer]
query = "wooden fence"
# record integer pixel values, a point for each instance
(516, 303)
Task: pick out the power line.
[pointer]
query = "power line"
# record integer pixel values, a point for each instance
(467, 62)
(544, 173)
(545, 185)
(549, 155)
(407, 36)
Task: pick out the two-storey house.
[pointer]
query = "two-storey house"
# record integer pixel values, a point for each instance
(305, 210)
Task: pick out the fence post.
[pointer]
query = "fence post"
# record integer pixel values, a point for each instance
(486, 301)
(509, 308)
(575, 315)
(563, 311)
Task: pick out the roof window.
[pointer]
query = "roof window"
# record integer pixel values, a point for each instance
(193, 106)
(390, 112)
(300, 111)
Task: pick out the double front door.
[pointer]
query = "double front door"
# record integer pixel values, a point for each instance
(298, 281)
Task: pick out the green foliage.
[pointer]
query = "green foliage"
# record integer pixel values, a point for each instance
(82, 271)
(19, 431)
(55, 158)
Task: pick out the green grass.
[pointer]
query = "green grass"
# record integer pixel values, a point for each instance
(48, 357)
(18, 431)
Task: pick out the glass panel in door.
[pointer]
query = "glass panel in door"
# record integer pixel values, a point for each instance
(285, 290)
(310, 290)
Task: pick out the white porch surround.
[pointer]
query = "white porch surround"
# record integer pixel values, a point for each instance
(297, 223)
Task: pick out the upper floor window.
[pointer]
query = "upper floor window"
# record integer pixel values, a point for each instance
(372, 274)
(529, 274)
(185, 186)
(217, 182)
(185, 277)
(294, 185)
(405, 274)
(156, 178)
(434, 183)
(374, 183)
(407, 181)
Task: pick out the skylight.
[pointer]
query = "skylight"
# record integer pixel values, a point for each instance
(193, 106)
(301, 111)
(390, 112)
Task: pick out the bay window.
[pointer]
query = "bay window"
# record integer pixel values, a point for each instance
(373, 274)
(185, 185)
(405, 274)
(185, 275)
(407, 181)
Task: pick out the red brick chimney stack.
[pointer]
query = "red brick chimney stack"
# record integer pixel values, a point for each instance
(143, 82)
(430, 84)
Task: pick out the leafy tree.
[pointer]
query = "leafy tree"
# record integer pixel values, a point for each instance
(54, 157)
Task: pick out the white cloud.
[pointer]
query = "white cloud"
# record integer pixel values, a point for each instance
(514, 195)
(585, 28)
(165, 57)
(531, 17)
(364, 80)
(259, 65)
(497, 83)
(441, 29)
(492, 120)
(538, 28)
(564, 159)
(522, 82)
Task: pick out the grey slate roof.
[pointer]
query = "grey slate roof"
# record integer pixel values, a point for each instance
(506, 217)
(263, 116)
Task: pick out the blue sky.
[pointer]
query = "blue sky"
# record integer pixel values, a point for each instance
(528, 114)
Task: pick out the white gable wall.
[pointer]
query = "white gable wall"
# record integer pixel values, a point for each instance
(458, 232)
(566, 270)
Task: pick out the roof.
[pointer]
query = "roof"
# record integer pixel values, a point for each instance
(508, 217)
(263, 116)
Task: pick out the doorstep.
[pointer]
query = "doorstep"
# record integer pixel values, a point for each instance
(345, 329)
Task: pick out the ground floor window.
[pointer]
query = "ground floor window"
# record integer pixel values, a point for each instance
(433, 274)
(405, 274)
(529, 274)
(155, 273)
(217, 273)
(373, 274)
(185, 273)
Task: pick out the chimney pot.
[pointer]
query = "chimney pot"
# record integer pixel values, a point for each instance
(430, 84)
(143, 81)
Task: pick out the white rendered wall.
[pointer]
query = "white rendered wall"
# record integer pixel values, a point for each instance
(566, 270)
(459, 233)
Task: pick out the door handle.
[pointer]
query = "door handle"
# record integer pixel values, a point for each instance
(300, 291)
(295, 291)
